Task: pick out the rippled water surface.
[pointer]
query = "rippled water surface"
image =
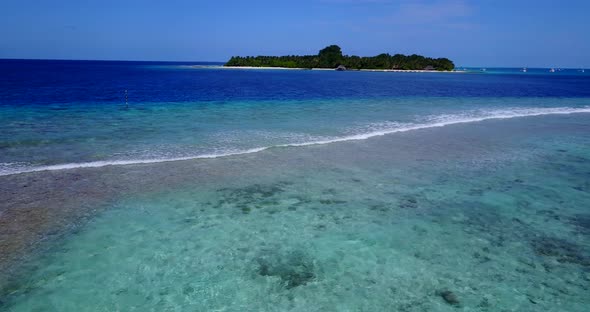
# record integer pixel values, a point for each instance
(343, 191)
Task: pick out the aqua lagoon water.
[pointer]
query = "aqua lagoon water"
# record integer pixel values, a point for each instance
(279, 190)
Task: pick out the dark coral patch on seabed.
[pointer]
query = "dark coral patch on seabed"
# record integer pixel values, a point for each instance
(293, 268)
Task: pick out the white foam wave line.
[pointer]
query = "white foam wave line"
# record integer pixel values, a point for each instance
(503, 115)
(104, 163)
(364, 136)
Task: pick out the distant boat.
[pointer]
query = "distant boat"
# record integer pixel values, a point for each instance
(552, 70)
(581, 70)
(483, 69)
(524, 70)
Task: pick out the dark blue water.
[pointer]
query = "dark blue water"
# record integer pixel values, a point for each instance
(27, 82)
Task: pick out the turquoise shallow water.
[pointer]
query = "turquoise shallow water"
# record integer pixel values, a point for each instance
(481, 216)
(75, 135)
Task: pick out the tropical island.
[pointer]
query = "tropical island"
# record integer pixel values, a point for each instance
(331, 57)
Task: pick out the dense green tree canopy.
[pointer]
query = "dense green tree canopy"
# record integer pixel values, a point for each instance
(331, 57)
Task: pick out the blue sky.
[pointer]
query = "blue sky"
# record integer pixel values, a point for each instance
(472, 33)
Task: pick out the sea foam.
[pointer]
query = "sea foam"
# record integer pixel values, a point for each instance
(382, 129)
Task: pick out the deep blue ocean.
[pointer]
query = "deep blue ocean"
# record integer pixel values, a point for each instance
(41, 82)
(175, 186)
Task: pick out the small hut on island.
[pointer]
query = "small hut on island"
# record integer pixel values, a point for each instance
(341, 68)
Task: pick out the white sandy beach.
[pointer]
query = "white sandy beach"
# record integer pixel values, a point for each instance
(328, 69)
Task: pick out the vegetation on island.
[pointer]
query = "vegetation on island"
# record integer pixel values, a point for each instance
(331, 57)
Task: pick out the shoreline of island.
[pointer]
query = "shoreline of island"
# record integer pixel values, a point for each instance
(323, 69)
(332, 58)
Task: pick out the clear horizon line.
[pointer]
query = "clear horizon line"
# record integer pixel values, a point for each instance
(102, 60)
(202, 61)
